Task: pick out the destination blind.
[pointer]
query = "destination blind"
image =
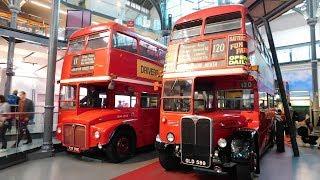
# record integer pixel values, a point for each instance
(193, 52)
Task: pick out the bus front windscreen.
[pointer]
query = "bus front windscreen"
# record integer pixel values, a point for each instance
(67, 97)
(177, 95)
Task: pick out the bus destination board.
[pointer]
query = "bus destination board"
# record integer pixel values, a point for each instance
(193, 52)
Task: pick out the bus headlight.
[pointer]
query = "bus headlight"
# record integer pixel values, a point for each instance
(170, 137)
(97, 134)
(59, 130)
(222, 142)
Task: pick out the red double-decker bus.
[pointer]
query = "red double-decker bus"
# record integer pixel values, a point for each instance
(107, 98)
(217, 110)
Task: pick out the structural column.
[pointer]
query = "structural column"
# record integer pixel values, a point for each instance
(14, 6)
(312, 21)
(291, 124)
(50, 84)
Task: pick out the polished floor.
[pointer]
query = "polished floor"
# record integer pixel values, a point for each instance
(36, 143)
(274, 166)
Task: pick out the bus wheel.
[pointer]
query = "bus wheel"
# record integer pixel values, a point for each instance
(121, 147)
(168, 161)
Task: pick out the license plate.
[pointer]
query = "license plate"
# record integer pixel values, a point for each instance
(195, 162)
(73, 149)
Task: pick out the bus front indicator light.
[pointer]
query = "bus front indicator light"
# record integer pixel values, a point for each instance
(59, 130)
(97, 134)
(163, 120)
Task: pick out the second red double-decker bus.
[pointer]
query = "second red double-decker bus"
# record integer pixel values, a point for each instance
(217, 109)
(107, 98)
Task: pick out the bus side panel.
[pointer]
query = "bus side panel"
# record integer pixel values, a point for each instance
(121, 63)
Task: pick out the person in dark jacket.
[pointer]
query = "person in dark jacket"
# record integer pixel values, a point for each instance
(26, 114)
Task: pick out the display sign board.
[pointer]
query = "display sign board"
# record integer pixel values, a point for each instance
(83, 63)
(218, 49)
(238, 50)
(148, 70)
(193, 52)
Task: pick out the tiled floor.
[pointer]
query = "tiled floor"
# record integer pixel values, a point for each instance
(274, 166)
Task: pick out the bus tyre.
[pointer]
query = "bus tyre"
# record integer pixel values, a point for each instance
(250, 170)
(244, 173)
(121, 147)
(168, 161)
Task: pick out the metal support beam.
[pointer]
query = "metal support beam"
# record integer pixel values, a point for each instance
(52, 56)
(312, 21)
(277, 11)
(14, 7)
(291, 124)
(28, 37)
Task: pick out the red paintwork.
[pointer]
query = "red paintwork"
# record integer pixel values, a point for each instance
(226, 121)
(114, 63)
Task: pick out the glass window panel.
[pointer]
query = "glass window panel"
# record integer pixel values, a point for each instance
(92, 96)
(67, 97)
(301, 53)
(125, 101)
(187, 29)
(149, 100)
(223, 22)
(177, 88)
(283, 55)
(76, 45)
(124, 42)
(148, 50)
(97, 41)
(236, 99)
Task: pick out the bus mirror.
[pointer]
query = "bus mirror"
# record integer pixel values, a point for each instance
(111, 85)
(156, 86)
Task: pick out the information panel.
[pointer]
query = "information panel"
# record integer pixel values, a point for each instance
(238, 50)
(193, 52)
(83, 63)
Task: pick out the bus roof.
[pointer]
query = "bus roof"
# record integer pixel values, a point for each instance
(204, 13)
(115, 26)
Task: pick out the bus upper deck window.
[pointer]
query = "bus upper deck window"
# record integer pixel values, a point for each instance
(124, 42)
(76, 44)
(187, 29)
(223, 22)
(148, 50)
(99, 40)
